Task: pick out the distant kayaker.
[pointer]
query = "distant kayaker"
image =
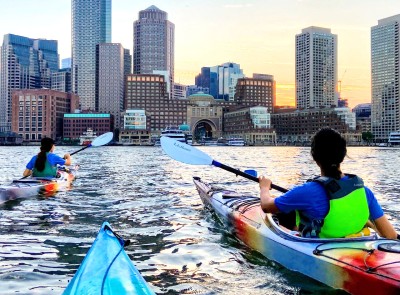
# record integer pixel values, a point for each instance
(333, 205)
(45, 163)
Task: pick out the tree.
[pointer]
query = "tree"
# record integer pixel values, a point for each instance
(367, 136)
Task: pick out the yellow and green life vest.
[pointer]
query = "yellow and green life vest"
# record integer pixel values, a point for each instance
(348, 209)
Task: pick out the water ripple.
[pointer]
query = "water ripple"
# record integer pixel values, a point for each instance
(179, 247)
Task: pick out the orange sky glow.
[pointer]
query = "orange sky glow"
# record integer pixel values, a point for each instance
(257, 34)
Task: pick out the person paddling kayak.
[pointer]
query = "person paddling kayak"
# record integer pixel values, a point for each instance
(332, 205)
(45, 163)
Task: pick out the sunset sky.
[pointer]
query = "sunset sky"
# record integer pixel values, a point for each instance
(257, 34)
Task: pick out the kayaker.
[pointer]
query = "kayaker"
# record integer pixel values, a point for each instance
(45, 163)
(334, 205)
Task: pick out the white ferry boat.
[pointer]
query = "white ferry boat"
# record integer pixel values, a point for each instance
(175, 133)
(394, 138)
(87, 137)
(236, 142)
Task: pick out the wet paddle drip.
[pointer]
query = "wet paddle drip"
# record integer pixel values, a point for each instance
(368, 253)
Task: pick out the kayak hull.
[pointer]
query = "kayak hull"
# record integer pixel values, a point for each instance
(356, 265)
(107, 269)
(34, 186)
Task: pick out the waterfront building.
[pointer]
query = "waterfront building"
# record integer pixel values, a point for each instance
(25, 63)
(10, 138)
(363, 117)
(204, 116)
(38, 113)
(135, 130)
(153, 43)
(347, 116)
(257, 91)
(62, 80)
(110, 81)
(91, 25)
(227, 77)
(206, 80)
(298, 127)
(316, 68)
(66, 63)
(77, 124)
(149, 92)
(385, 77)
(253, 124)
(193, 89)
(179, 91)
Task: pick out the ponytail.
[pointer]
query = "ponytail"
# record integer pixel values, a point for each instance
(45, 146)
(332, 170)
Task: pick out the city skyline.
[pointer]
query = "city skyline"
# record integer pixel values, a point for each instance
(258, 35)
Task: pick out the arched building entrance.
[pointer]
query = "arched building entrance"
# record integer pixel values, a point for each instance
(205, 130)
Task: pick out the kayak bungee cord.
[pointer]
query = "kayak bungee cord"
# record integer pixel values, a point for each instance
(369, 252)
(123, 244)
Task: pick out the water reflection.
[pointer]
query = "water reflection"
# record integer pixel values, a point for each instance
(179, 247)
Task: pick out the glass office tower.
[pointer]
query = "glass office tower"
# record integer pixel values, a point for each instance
(91, 25)
(25, 63)
(385, 68)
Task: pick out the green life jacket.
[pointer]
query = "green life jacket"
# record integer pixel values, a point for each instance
(48, 171)
(348, 209)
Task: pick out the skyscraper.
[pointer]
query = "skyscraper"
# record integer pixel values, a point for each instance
(316, 68)
(153, 43)
(25, 63)
(385, 60)
(227, 76)
(110, 79)
(91, 25)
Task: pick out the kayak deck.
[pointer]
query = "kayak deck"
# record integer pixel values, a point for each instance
(33, 186)
(357, 265)
(107, 269)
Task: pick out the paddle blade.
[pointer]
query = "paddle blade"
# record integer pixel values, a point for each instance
(251, 172)
(183, 152)
(102, 139)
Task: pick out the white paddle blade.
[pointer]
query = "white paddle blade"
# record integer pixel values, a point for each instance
(103, 139)
(184, 153)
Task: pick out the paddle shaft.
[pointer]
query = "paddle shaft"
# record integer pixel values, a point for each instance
(80, 149)
(245, 175)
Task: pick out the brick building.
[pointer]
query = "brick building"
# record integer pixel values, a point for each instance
(76, 124)
(38, 113)
(149, 92)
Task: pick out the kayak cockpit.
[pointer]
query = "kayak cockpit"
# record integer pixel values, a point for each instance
(271, 222)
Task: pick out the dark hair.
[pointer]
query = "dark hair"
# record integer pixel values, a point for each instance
(45, 146)
(328, 149)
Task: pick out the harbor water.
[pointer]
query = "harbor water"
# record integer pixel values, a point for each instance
(148, 198)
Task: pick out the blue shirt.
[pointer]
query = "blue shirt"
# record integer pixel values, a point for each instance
(52, 158)
(312, 199)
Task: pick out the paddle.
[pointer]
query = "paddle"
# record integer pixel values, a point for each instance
(190, 155)
(98, 141)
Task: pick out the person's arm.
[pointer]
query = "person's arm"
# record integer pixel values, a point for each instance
(68, 159)
(385, 228)
(27, 172)
(379, 223)
(29, 167)
(267, 202)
